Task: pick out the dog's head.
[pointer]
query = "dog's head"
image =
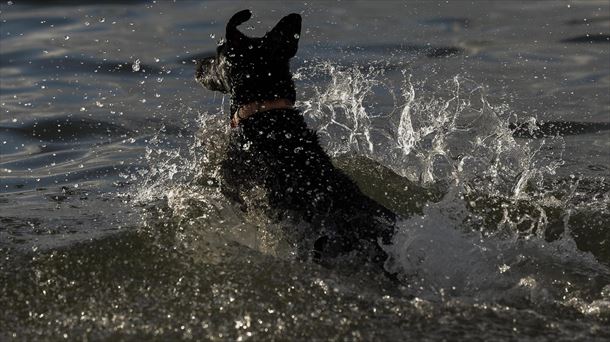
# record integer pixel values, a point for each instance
(253, 69)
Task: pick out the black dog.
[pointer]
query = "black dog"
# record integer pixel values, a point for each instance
(272, 149)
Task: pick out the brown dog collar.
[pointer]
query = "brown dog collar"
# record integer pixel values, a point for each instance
(247, 110)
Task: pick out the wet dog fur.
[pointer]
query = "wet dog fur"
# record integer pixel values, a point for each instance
(275, 151)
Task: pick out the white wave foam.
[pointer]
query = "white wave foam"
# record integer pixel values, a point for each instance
(438, 258)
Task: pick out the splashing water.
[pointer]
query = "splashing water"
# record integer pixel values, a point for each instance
(459, 140)
(496, 188)
(488, 238)
(425, 138)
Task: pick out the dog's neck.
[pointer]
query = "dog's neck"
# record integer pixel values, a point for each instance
(260, 88)
(245, 111)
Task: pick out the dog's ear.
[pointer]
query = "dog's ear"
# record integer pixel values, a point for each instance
(283, 39)
(233, 35)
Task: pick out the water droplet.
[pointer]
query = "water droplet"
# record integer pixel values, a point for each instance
(247, 75)
(66, 37)
(102, 20)
(9, 3)
(99, 104)
(296, 36)
(212, 35)
(157, 59)
(159, 79)
(250, 47)
(87, 23)
(136, 65)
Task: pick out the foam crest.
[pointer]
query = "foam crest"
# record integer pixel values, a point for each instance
(438, 258)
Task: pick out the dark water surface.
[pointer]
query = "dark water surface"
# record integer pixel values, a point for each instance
(485, 124)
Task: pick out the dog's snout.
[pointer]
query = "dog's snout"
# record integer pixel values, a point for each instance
(208, 74)
(203, 65)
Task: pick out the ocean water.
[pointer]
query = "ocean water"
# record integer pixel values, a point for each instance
(485, 125)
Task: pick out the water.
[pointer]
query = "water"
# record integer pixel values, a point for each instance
(486, 126)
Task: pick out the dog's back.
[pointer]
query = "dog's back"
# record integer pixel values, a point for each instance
(278, 153)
